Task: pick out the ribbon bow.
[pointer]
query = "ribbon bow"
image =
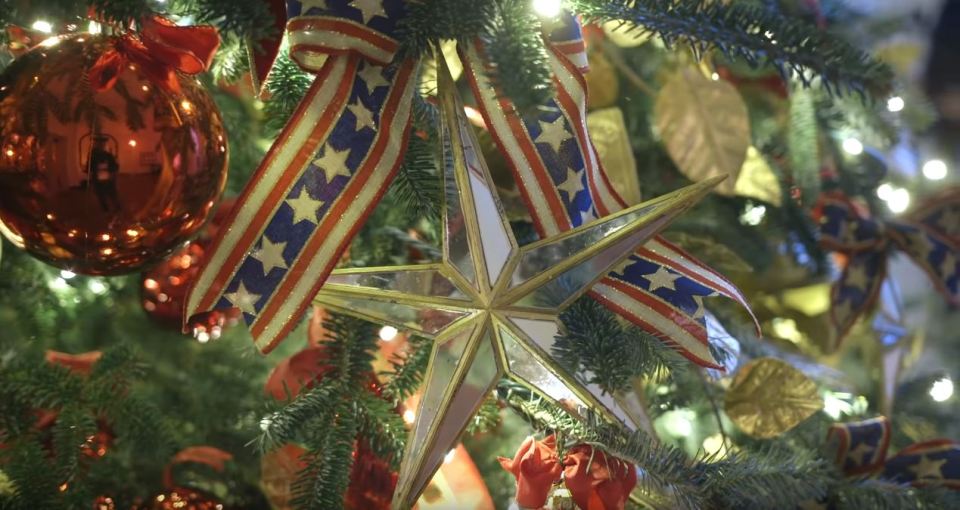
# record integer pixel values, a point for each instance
(661, 288)
(595, 481)
(861, 450)
(930, 236)
(161, 49)
(332, 162)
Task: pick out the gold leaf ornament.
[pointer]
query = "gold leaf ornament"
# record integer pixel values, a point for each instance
(608, 130)
(769, 397)
(704, 126)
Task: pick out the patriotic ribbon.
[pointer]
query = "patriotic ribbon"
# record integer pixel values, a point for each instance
(323, 175)
(930, 236)
(661, 288)
(861, 450)
(161, 49)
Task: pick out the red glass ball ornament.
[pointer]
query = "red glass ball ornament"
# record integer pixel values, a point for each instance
(103, 182)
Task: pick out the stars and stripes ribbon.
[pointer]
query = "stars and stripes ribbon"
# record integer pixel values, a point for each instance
(323, 175)
(660, 288)
(930, 236)
(861, 450)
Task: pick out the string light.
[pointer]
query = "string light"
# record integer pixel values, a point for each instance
(895, 104)
(942, 389)
(388, 333)
(94, 28)
(899, 200)
(714, 76)
(753, 215)
(935, 169)
(409, 416)
(66, 275)
(884, 191)
(42, 26)
(547, 8)
(97, 287)
(852, 146)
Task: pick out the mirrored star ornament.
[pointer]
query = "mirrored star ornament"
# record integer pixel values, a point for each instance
(490, 305)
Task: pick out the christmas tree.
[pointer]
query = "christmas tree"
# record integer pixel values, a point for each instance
(593, 254)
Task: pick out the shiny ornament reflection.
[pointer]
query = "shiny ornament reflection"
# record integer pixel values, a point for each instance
(106, 182)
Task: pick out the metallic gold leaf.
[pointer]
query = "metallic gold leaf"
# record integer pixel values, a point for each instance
(603, 86)
(769, 397)
(757, 179)
(716, 254)
(609, 134)
(704, 125)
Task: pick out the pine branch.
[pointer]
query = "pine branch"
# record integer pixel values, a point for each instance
(287, 423)
(757, 35)
(803, 142)
(487, 417)
(322, 483)
(384, 430)
(767, 478)
(408, 370)
(286, 87)
(417, 185)
(881, 495)
(593, 342)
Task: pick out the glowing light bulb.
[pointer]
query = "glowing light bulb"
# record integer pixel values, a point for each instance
(97, 287)
(59, 284)
(388, 333)
(942, 389)
(66, 275)
(547, 8)
(895, 104)
(409, 416)
(94, 28)
(884, 191)
(42, 26)
(899, 200)
(935, 169)
(714, 76)
(753, 215)
(852, 146)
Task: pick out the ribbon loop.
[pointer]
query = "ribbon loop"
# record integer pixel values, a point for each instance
(161, 49)
(363, 27)
(660, 288)
(324, 174)
(928, 236)
(861, 450)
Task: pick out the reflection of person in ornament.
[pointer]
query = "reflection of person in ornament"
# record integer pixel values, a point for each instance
(104, 168)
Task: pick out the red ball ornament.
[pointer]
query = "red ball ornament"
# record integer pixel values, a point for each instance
(164, 287)
(182, 499)
(103, 178)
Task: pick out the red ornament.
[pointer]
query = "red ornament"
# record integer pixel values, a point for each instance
(164, 287)
(105, 179)
(182, 499)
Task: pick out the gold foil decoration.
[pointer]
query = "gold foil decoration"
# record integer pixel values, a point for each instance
(608, 131)
(769, 397)
(603, 85)
(757, 180)
(704, 126)
(490, 305)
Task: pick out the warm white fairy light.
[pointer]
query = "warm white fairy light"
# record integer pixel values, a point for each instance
(895, 104)
(547, 8)
(94, 28)
(753, 215)
(66, 275)
(852, 146)
(899, 200)
(942, 389)
(97, 287)
(715, 76)
(935, 169)
(42, 26)
(884, 191)
(409, 416)
(388, 333)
